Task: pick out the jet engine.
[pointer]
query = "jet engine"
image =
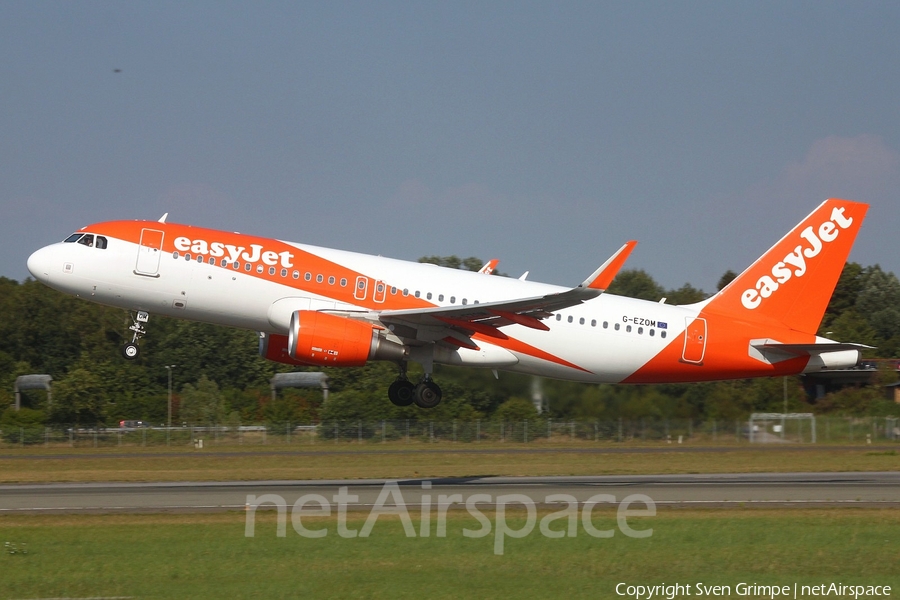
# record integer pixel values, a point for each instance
(326, 340)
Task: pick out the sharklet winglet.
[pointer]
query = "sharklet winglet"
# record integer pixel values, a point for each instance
(603, 276)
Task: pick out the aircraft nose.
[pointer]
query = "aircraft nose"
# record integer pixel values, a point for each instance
(39, 264)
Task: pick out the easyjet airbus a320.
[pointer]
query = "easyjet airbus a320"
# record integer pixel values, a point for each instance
(317, 306)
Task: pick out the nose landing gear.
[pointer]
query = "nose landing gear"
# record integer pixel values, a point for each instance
(131, 350)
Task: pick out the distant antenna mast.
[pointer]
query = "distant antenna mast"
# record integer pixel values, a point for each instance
(162, 219)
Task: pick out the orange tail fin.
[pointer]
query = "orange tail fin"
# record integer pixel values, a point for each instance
(792, 283)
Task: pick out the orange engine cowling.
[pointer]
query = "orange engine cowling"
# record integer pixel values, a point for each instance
(274, 347)
(316, 338)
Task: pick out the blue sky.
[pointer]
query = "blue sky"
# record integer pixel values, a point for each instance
(542, 134)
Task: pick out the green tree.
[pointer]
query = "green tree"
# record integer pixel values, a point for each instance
(879, 302)
(686, 294)
(516, 409)
(79, 398)
(636, 283)
(23, 426)
(845, 293)
(726, 278)
(471, 263)
(203, 403)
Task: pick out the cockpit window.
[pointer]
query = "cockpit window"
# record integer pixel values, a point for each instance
(88, 240)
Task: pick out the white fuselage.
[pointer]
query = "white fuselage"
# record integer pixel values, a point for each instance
(607, 338)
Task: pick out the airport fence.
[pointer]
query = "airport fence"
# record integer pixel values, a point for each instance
(822, 430)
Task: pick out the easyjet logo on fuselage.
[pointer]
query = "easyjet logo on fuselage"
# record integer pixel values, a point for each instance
(794, 263)
(235, 253)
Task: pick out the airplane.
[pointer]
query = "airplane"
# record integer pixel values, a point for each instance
(331, 308)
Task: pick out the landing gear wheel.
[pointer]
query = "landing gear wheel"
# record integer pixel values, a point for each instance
(402, 392)
(131, 351)
(428, 394)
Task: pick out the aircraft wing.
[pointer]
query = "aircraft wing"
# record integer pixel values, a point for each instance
(456, 324)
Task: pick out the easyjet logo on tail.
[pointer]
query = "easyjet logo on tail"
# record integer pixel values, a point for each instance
(794, 264)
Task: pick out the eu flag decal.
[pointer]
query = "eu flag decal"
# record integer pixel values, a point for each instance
(662, 325)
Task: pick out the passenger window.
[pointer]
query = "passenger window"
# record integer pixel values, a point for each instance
(87, 240)
(101, 242)
(452, 299)
(662, 334)
(465, 301)
(247, 266)
(212, 261)
(593, 322)
(628, 328)
(73, 238)
(175, 254)
(605, 324)
(405, 291)
(417, 294)
(320, 278)
(428, 296)
(224, 262)
(259, 268)
(331, 280)
(652, 333)
(187, 256)
(199, 259)
(558, 317)
(440, 297)
(393, 290)
(308, 276)
(344, 282)
(296, 274)
(640, 330)
(271, 270)
(284, 272)
(581, 321)
(569, 319)
(617, 327)
(236, 264)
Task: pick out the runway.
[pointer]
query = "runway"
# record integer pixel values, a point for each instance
(709, 490)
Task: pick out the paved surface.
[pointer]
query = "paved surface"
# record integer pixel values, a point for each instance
(708, 490)
(107, 453)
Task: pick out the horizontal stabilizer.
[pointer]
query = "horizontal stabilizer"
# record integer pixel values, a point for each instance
(820, 356)
(810, 349)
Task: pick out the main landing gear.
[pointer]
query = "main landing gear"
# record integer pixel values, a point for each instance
(131, 350)
(403, 392)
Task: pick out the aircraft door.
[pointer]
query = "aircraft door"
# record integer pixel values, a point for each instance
(379, 293)
(694, 341)
(362, 288)
(149, 253)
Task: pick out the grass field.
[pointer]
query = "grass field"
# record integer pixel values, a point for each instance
(399, 460)
(207, 556)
